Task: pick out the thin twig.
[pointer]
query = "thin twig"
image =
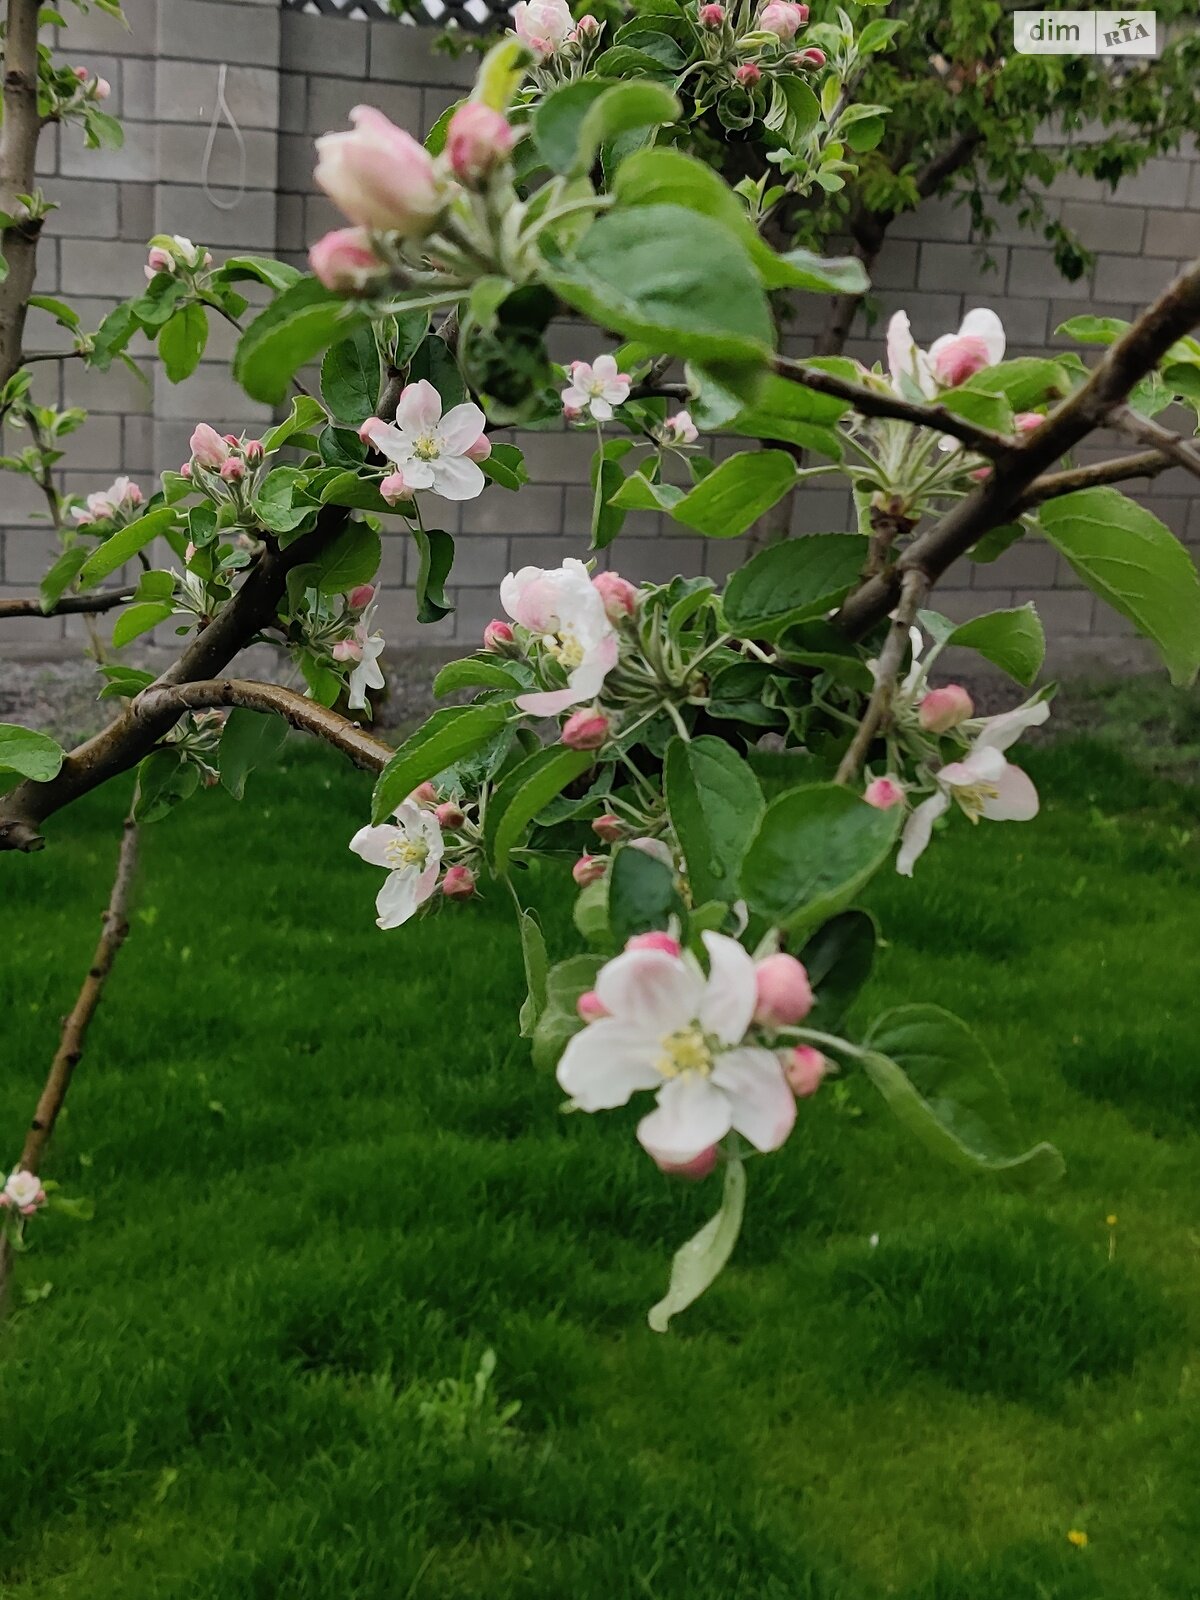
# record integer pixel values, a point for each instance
(1148, 464)
(69, 604)
(1146, 431)
(913, 589)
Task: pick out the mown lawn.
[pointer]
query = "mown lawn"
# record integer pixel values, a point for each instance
(327, 1179)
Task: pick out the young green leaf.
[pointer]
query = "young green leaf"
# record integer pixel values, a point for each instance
(699, 1262)
(522, 794)
(139, 619)
(814, 850)
(304, 320)
(736, 493)
(181, 342)
(124, 545)
(250, 739)
(447, 736)
(642, 894)
(34, 755)
(791, 582)
(350, 377)
(715, 805)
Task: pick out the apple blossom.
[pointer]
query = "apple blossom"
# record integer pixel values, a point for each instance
(589, 869)
(656, 939)
(208, 448)
(233, 469)
(159, 260)
(394, 488)
(498, 635)
(673, 1029)
(698, 1167)
(907, 364)
(804, 1068)
(253, 450)
(562, 606)
(608, 827)
(23, 1191)
(345, 261)
(585, 730)
(884, 793)
(588, 1006)
(379, 176)
(431, 449)
(984, 784)
(596, 387)
(680, 429)
(478, 140)
(424, 794)
(542, 25)
(480, 450)
(449, 815)
(1027, 421)
(813, 56)
(364, 648)
(747, 75)
(619, 595)
(783, 19)
(360, 597)
(121, 495)
(943, 709)
(979, 343)
(459, 883)
(711, 16)
(411, 850)
(784, 994)
(587, 27)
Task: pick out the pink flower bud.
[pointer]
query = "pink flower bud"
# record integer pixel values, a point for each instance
(208, 447)
(884, 793)
(942, 709)
(133, 495)
(608, 827)
(394, 488)
(784, 993)
(571, 413)
(588, 26)
(449, 815)
(360, 597)
(159, 260)
(698, 1167)
(497, 635)
(189, 550)
(619, 595)
(747, 75)
(424, 795)
(478, 140)
(348, 649)
(655, 940)
(1027, 421)
(783, 19)
(232, 440)
(254, 450)
(459, 883)
(480, 450)
(589, 1007)
(542, 25)
(379, 176)
(345, 261)
(102, 89)
(82, 73)
(813, 56)
(680, 429)
(711, 16)
(804, 1069)
(185, 470)
(959, 358)
(233, 469)
(589, 869)
(585, 730)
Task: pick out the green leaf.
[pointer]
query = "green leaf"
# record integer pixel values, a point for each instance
(1092, 330)
(533, 953)
(275, 274)
(304, 414)
(793, 111)
(794, 414)
(476, 672)
(814, 850)
(608, 508)
(164, 779)
(1027, 382)
(34, 755)
(500, 73)
(357, 493)
(293, 329)
(447, 736)
(351, 559)
(715, 805)
(250, 739)
(560, 1019)
(181, 342)
(139, 619)
(434, 361)
(642, 894)
(517, 800)
(61, 575)
(838, 959)
(976, 405)
(672, 277)
(350, 377)
(736, 493)
(437, 558)
(1014, 640)
(506, 466)
(700, 1261)
(124, 545)
(571, 124)
(792, 581)
(938, 1079)
(802, 269)
(276, 506)
(1135, 563)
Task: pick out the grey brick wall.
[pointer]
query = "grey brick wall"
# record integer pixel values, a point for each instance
(289, 77)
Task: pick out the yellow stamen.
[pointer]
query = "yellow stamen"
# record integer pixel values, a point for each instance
(686, 1050)
(402, 853)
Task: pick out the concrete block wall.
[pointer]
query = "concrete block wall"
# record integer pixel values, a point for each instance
(290, 76)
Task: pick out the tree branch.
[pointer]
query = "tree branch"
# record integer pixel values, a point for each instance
(76, 1023)
(69, 605)
(914, 586)
(1146, 431)
(1120, 469)
(1136, 352)
(19, 134)
(363, 748)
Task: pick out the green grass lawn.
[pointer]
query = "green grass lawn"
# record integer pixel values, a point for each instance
(327, 1180)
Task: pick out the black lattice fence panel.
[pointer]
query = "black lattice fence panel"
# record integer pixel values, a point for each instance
(477, 16)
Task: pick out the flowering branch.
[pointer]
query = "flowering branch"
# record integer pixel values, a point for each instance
(913, 589)
(307, 715)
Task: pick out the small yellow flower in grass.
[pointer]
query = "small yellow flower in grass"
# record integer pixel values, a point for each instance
(1078, 1538)
(1111, 1219)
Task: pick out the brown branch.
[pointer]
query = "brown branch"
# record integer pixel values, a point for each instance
(913, 589)
(19, 134)
(1136, 352)
(76, 1023)
(361, 747)
(69, 604)
(1148, 464)
(1144, 430)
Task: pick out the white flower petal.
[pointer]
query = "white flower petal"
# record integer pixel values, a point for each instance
(731, 992)
(398, 898)
(986, 325)
(764, 1107)
(1016, 798)
(371, 843)
(692, 1114)
(998, 733)
(918, 831)
(600, 408)
(652, 989)
(456, 478)
(389, 441)
(418, 474)
(602, 1066)
(604, 368)
(549, 702)
(980, 766)
(460, 428)
(419, 409)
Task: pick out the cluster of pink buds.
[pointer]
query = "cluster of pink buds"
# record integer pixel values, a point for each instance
(94, 86)
(22, 1192)
(120, 500)
(176, 254)
(225, 456)
(458, 882)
